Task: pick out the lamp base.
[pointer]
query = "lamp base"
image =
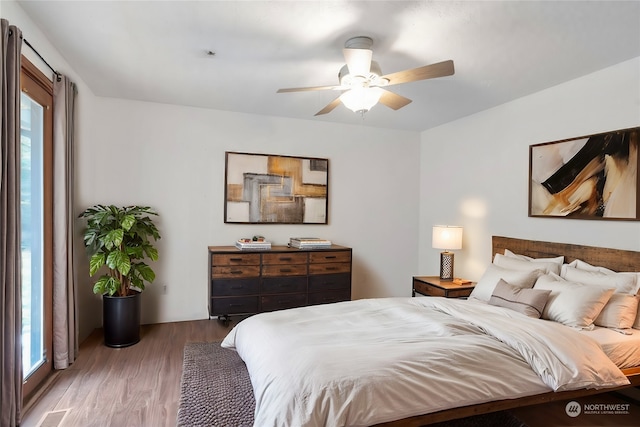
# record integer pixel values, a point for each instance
(446, 265)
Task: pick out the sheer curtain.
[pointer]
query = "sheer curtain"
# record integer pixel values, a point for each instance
(10, 294)
(65, 311)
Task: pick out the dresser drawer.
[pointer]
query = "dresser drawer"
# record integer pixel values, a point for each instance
(329, 256)
(236, 271)
(234, 305)
(328, 297)
(235, 259)
(283, 301)
(329, 268)
(231, 287)
(330, 282)
(279, 285)
(284, 270)
(284, 258)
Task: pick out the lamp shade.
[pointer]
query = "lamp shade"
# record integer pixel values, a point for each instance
(360, 99)
(448, 237)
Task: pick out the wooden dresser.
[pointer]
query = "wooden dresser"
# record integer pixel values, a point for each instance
(254, 281)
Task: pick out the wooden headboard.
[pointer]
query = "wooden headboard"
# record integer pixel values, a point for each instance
(613, 259)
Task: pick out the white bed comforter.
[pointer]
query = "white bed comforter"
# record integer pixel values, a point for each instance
(364, 362)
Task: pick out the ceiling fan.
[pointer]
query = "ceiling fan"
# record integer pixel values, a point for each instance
(362, 83)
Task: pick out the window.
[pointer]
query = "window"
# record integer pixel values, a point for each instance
(36, 162)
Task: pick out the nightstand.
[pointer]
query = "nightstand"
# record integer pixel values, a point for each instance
(432, 286)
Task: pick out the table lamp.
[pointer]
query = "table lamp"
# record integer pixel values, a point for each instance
(447, 237)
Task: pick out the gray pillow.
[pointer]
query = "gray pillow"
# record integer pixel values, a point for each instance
(487, 283)
(529, 302)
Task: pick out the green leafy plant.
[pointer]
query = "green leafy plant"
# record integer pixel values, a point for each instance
(120, 238)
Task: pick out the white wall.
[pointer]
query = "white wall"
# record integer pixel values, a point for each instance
(172, 158)
(474, 171)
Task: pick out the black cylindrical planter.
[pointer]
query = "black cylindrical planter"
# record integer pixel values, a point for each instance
(121, 320)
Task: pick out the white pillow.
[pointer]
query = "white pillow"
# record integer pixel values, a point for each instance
(521, 264)
(572, 304)
(492, 275)
(619, 312)
(581, 265)
(622, 283)
(636, 324)
(557, 260)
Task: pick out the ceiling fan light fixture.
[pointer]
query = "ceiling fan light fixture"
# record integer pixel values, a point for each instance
(361, 100)
(373, 78)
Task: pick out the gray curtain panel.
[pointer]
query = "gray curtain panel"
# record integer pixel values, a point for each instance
(10, 294)
(65, 310)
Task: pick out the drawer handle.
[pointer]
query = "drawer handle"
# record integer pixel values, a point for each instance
(236, 287)
(285, 270)
(285, 259)
(235, 259)
(331, 268)
(236, 305)
(330, 257)
(236, 271)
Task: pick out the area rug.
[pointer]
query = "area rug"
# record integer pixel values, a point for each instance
(215, 391)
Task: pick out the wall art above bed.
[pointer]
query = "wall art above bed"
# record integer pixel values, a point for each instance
(275, 189)
(589, 177)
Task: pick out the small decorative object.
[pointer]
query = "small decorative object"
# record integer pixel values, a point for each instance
(273, 189)
(590, 177)
(256, 242)
(120, 238)
(447, 237)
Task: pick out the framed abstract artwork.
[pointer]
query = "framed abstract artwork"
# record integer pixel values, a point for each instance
(275, 189)
(589, 177)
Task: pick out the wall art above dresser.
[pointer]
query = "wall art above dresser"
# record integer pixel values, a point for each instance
(274, 189)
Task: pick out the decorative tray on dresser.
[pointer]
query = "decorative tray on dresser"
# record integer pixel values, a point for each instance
(253, 281)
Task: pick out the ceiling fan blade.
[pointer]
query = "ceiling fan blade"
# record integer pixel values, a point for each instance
(310, 88)
(358, 61)
(329, 108)
(440, 69)
(393, 100)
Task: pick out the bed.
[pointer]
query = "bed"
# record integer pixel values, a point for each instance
(417, 361)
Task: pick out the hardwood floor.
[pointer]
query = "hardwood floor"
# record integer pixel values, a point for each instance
(139, 386)
(134, 386)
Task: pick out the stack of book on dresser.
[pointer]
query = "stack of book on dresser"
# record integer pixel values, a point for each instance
(253, 244)
(309, 243)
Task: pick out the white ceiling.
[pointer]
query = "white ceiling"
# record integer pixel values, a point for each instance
(502, 50)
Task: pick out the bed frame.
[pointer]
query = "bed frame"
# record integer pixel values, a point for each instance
(614, 259)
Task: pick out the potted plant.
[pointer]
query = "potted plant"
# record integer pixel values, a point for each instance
(120, 238)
